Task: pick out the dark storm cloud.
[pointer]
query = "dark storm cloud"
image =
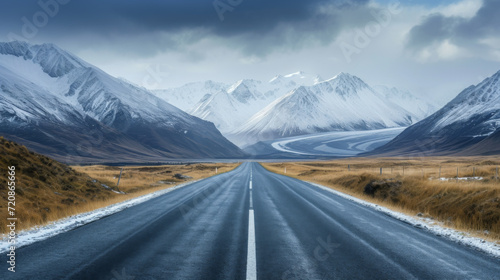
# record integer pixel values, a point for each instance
(274, 22)
(461, 31)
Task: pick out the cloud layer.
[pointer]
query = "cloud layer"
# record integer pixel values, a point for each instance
(434, 47)
(256, 26)
(446, 34)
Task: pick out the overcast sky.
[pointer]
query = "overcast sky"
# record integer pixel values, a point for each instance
(433, 48)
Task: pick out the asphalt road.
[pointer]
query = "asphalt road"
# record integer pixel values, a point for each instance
(249, 224)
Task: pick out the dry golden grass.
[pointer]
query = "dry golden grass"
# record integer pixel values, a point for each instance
(472, 206)
(135, 182)
(47, 190)
(137, 178)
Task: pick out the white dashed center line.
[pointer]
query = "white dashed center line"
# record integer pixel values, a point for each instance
(251, 256)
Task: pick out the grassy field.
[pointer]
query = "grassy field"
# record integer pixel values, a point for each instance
(413, 186)
(136, 179)
(47, 190)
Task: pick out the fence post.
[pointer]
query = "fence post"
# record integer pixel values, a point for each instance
(380, 170)
(403, 170)
(285, 169)
(119, 179)
(216, 170)
(473, 171)
(348, 167)
(439, 172)
(457, 174)
(497, 174)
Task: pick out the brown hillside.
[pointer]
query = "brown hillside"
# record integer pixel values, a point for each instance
(45, 189)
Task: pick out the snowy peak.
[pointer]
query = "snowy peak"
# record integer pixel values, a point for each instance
(276, 79)
(59, 100)
(295, 79)
(472, 116)
(344, 102)
(56, 62)
(480, 101)
(245, 91)
(343, 85)
(486, 91)
(299, 99)
(346, 84)
(16, 48)
(53, 60)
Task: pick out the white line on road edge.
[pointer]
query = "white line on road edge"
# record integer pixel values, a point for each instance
(454, 235)
(251, 256)
(40, 233)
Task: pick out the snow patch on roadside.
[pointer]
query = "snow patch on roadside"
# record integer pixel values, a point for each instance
(36, 234)
(427, 224)
(460, 179)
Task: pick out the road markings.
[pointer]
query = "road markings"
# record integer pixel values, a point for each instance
(251, 256)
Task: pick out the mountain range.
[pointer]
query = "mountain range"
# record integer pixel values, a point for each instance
(249, 111)
(467, 125)
(61, 106)
(228, 106)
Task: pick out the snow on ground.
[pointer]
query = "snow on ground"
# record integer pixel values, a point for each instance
(427, 224)
(461, 179)
(36, 234)
(336, 143)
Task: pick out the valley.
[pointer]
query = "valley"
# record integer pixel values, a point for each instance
(226, 139)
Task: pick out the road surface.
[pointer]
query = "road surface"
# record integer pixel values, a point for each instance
(249, 224)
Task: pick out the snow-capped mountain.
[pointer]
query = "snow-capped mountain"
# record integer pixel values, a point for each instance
(344, 102)
(57, 104)
(469, 119)
(229, 106)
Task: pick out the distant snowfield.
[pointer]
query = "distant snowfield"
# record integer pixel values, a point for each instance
(338, 143)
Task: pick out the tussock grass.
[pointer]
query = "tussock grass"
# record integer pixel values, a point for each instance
(472, 206)
(47, 190)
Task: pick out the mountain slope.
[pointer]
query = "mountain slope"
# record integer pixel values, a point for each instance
(186, 96)
(488, 146)
(61, 106)
(416, 106)
(472, 117)
(344, 102)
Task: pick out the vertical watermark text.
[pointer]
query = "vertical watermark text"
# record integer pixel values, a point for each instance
(11, 219)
